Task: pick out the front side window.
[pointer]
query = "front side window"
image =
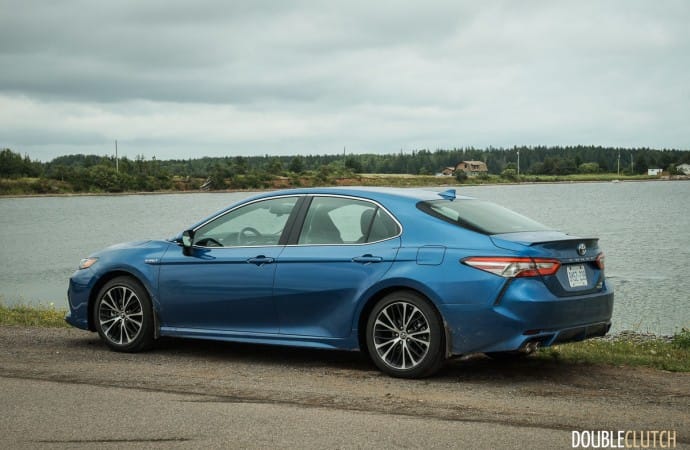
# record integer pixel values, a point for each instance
(259, 223)
(335, 220)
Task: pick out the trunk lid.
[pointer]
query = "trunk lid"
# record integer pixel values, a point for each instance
(580, 272)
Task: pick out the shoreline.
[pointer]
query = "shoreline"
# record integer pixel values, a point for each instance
(230, 191)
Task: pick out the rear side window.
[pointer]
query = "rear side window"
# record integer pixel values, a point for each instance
(481, 216)
(338, 220)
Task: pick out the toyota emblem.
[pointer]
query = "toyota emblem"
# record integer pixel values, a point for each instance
(582, 249)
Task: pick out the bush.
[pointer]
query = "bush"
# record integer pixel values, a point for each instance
(589, 167)
(509, 174)
(682, 339)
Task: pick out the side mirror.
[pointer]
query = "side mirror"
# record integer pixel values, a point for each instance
(187, 242)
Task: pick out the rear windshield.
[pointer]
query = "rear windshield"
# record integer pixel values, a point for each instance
(481, 216)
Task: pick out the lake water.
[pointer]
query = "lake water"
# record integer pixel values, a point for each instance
(644, 228)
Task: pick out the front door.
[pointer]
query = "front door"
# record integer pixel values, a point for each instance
(226, 283)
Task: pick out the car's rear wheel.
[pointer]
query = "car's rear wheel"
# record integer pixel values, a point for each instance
(405, 336)
(123, 315)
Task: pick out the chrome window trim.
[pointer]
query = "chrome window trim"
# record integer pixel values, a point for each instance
(242, 206)
(345, 196)
(362, 199)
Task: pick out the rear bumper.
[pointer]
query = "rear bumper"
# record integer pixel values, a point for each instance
(527, 313)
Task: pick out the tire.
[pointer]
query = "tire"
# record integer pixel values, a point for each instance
(404, 336)
(123, 315)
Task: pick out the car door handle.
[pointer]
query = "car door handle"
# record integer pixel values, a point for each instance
(260, 260)
(366, 259)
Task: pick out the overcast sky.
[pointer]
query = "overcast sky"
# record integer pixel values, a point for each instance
(175, 79)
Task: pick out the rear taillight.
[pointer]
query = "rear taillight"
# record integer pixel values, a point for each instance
(514, 267)
(600, 261)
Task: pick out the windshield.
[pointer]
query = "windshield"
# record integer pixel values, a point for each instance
(481, 216)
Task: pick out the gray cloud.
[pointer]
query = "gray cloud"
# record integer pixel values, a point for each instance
(214, 77)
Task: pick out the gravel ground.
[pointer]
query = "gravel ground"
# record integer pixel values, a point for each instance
(543, 395)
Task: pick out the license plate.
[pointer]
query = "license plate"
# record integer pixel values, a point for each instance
(577, 277)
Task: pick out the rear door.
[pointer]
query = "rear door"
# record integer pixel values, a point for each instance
(344, 246)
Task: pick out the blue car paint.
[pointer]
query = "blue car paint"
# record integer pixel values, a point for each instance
(317, 287)
(315, 295)
(137, 259)
(216, 289)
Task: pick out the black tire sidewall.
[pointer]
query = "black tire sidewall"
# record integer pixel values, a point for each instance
(435, 355)
(145, 337)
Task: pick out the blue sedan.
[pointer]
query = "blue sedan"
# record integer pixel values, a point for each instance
(411, 277)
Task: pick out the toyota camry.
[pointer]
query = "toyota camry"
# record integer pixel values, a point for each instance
(411, 277)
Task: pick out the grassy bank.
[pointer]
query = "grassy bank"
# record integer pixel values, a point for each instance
(41, 186)
(373, 179)
(659, 353)
(623, 350)
(32, 316)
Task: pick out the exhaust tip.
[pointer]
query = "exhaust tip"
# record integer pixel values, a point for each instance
(531, 347)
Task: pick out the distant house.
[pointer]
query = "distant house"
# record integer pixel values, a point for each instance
(654, 172)
(684, 168)
(472, 168)
(448, 171)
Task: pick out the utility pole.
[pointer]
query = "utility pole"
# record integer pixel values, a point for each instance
(619, 162)
(518, 165)
(117, 162)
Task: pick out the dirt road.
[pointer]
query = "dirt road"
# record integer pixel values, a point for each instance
(506, 404)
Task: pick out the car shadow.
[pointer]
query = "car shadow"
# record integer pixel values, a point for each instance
(480, 369)
(476, 368)
(262, 354)
(472, 368)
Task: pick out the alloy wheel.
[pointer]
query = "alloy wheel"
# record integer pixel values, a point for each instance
(120, 315)
(401, 335)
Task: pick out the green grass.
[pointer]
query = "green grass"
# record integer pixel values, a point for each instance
(405, 180)
(673, 356)
(32, 316)
(33, 186)
(585, 177)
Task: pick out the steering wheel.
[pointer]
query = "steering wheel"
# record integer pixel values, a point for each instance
(209, 242)
(249, 235)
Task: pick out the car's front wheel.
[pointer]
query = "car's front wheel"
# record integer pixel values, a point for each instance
(123, 315)
(405, 336)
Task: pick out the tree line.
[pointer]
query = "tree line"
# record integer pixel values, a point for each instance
(84, 173)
